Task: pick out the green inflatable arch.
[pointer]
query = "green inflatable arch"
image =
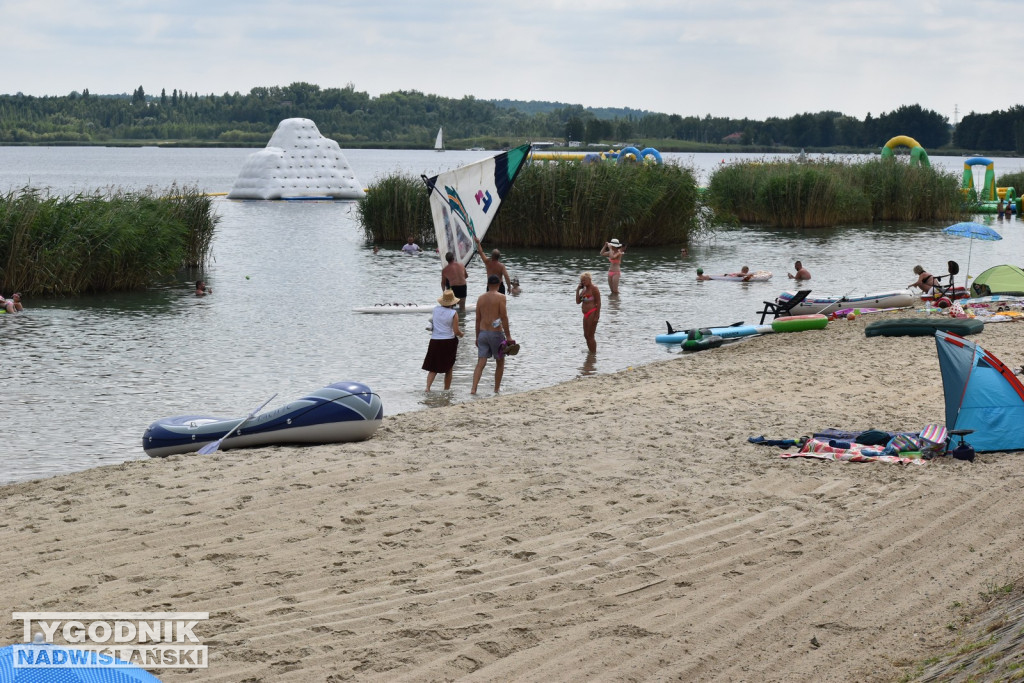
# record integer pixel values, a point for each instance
(918, 157)
(988, 191)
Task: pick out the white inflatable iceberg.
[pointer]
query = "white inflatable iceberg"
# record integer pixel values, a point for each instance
(297, 163)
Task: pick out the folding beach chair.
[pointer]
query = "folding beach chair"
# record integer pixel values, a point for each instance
(781, 307)
(945, 285)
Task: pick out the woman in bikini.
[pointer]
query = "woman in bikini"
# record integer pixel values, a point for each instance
(589, 298)
(925, 280)
(614, 251)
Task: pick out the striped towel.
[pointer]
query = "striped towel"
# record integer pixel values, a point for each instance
(823, 450)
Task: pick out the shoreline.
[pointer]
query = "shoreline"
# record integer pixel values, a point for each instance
(616, 526)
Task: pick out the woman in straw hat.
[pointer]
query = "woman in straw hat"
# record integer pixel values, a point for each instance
(444, 341)
(614, 251)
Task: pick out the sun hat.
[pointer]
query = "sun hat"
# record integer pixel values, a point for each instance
(615, 242)
(448, 298)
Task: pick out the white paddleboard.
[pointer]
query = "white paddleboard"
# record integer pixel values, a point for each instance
(403, 308)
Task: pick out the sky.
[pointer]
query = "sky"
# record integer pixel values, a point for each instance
(738, 59)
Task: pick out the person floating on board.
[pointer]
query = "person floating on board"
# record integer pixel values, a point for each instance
(494, 267)
(493, 337)
(12, 305)
(701, 276)
(453, 277)
(801, 272)
(744, 273)
(410, 246)
(614, 250)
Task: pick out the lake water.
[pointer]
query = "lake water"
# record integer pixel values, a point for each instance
(83, 377)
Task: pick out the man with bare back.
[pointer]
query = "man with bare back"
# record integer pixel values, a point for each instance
(494, 266)
(491, 332)
(453, 277)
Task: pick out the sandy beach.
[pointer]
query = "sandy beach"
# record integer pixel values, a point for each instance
(617, 527)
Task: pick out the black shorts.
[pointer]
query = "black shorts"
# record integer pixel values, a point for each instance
(460, 291)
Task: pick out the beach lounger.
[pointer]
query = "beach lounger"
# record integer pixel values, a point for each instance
(779, 307)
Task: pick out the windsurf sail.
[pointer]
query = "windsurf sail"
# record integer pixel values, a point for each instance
(439, 142)
(463, 202)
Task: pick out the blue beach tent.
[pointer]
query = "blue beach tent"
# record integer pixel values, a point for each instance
(981, 394)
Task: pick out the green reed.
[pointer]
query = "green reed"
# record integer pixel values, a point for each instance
(100, 242)
(560, 204)
(395, 208)
(834, 192)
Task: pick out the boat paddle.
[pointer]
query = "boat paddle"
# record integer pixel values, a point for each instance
(214, 445)
(671, 330)
(843, 298)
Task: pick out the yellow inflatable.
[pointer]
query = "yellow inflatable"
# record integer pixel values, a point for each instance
(917, 154)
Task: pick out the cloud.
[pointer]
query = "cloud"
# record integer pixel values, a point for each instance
(741, 59)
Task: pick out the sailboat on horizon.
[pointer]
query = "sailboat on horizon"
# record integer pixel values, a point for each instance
(439, 142)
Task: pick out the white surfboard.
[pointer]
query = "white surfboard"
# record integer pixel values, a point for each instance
(403, 308)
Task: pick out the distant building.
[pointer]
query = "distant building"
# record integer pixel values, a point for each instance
(733, 138)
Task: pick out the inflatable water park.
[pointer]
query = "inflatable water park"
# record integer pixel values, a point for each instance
(648, 155)
(918, 156)
(989, 197)
(297, 163)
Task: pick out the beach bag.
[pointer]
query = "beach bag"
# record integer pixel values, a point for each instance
(964, 451)
(933, 439)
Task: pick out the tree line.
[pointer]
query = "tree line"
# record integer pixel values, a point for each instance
(411, 119)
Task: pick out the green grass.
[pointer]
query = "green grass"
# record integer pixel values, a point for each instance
(99, 242)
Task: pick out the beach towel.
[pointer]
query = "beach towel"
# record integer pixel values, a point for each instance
(848, 451)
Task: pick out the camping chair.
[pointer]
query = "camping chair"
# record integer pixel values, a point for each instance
(945, 285)
(780, 307)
